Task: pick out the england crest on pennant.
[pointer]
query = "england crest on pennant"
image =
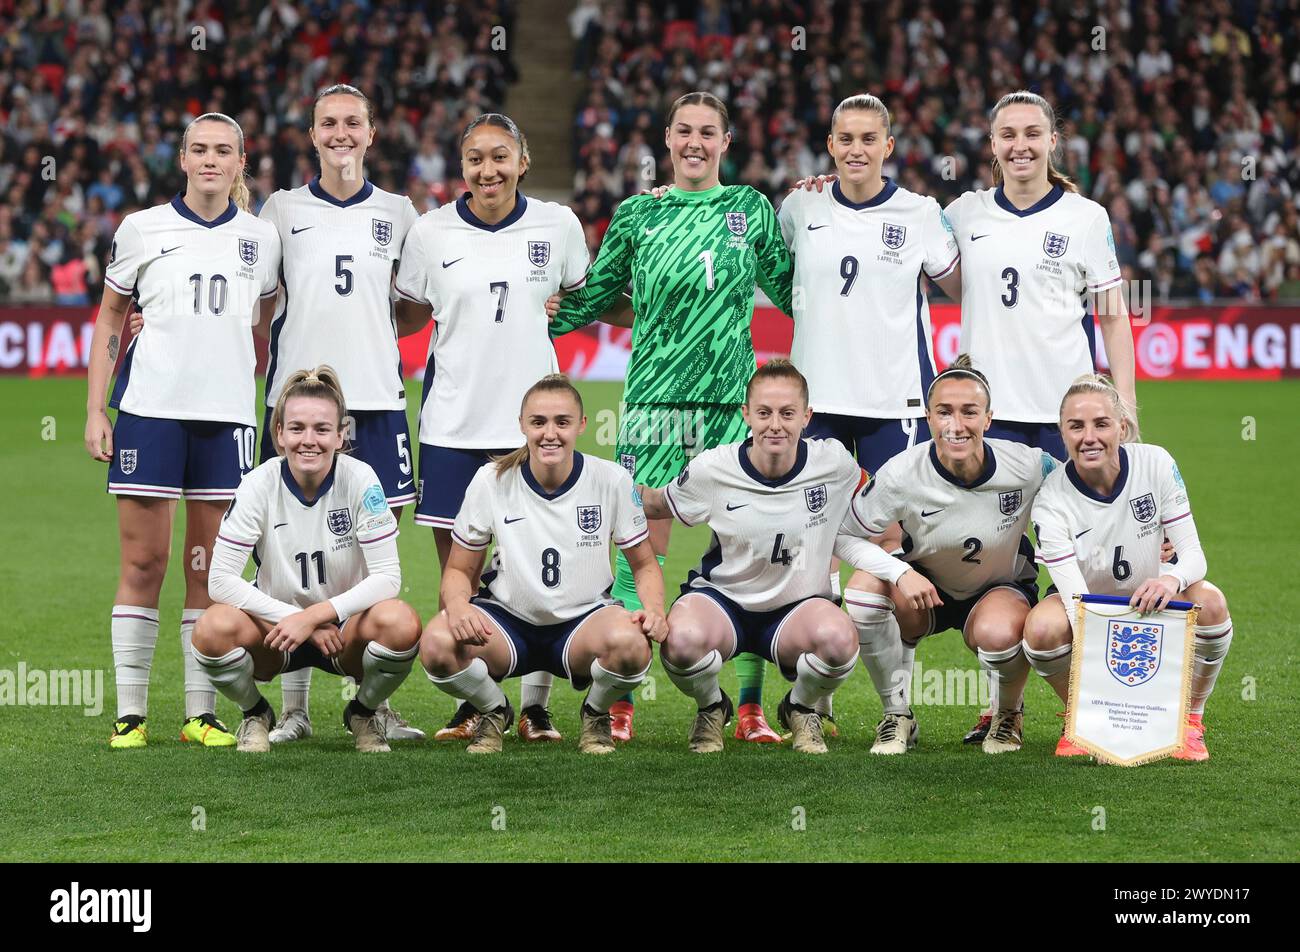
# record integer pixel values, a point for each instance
(1133, 651)
(248, 251)
(382, 231)
(339, 521)
(1144, 508)
(815, 497)
(893, 235)
(737, 223)
(588, 518)
(539, 253)
(126, 459)
(1009, 502)
(1054, 245)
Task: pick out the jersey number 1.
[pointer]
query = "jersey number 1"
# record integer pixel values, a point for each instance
(707, 257)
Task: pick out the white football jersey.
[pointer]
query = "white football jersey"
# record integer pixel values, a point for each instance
(1026, 276)
(1114, 539)
(488, 285)
(337, 309)
(553, 551)
(773, 539)
(199, 285)
(861, 317)
(305, 551)
(965, 537)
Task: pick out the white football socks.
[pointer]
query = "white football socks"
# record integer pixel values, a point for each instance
(1212, 642)
(1009, 670)
(887, 659)
(700, 680)
(200, 695)
(608, 686)
(1054, 666)
(232, 673)
(816, 679)
(295, 689)
(382, 671)
(535, 688)
(134, 632)
(475, 685)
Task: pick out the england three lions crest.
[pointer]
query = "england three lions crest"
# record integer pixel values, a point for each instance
(339, 521)
(588, 518)
(1144, 508)
(1009, 502)
(539, 253)
(126, 460)
(815, 496)
(1054, 245)
(248, 251)
(893, 235)
(737, 223)
(1133, 651)
(382, 231)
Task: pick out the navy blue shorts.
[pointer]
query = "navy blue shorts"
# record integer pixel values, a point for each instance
(307, 655)
(445, 474)
(954, 612)
(755, 632)
(1045, 436)
(871, 440)
(171, 459)
(537, 647)
(380, 438)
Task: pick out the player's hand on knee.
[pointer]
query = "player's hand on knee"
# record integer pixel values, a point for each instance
(328, 640)
(653, 624)
(290, 633)
(1154, 594)
(99, 436)
(467, 625)
(919, 590)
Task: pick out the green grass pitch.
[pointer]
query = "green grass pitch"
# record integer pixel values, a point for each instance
(65, 796)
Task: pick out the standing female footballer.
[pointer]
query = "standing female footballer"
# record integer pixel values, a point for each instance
(485, 266)
(1100, 522)
(693, 257)
(544, 605)
(963, 501)
(325, 542)
(202, 270)
(342, 238)
(775, 504)
(1029, 295)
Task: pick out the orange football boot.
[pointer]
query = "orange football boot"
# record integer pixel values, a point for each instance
(752, 726)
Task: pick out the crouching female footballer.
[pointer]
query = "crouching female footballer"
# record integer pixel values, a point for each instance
(325, 542)
(1101, 520)
(963, 502)
(775, 503)
(544, 604)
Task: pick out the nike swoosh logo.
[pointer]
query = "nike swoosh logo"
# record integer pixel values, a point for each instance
(1084, 532)
(515, 519)
(168, 251)
(925, 514)
(279, 524)
(294, 231)
(403, 485)
(817, 227)
(448, 264)
(731, 508)
(978, 237)
(651, 231)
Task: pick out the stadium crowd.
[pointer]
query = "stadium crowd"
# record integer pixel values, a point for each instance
(94, 96)
(1181, 119)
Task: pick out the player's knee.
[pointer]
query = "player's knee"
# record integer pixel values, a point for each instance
(394, 624)
(1044, 628)
(993, 634)
(143, 571)
(867, 583)
(686, 643)
(836, 641)
(1214, 604)
(438, 648)
(626, 649)
(217, 630)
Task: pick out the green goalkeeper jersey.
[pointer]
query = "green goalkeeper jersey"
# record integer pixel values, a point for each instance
(692, 258)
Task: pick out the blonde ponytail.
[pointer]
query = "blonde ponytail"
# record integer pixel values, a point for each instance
(1102, 386)
(1024, 97)
(551, 383)
(322, 382)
